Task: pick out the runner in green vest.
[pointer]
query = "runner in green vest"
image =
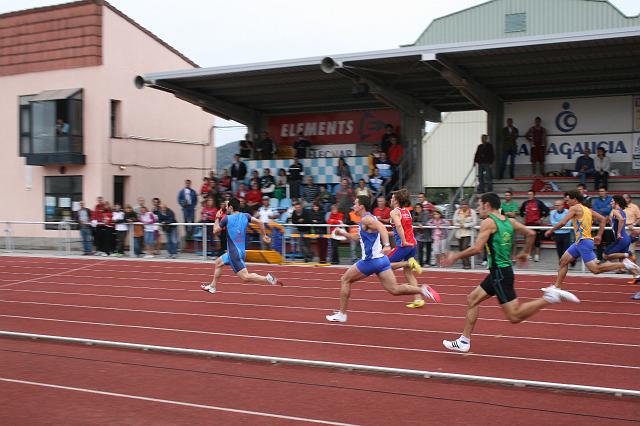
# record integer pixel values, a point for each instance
(496, 236)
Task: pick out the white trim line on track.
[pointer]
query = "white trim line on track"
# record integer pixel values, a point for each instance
(325, 364)
(167, 401)
(51, 275)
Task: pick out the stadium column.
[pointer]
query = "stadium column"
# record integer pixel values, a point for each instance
(411, 134)
(495, 122)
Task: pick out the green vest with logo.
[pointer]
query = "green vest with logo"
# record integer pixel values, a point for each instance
(500, 244)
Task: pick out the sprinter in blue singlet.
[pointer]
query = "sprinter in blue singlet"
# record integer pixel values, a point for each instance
(236, 224)
(374, 241)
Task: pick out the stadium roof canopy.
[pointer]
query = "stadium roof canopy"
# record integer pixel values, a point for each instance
(420, 80)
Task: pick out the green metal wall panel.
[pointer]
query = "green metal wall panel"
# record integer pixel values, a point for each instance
(487, 21)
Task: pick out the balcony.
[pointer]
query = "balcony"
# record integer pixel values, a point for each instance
(50, 149)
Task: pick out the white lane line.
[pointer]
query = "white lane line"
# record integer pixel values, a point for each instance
(170, 402)
(346, 344)
(161, 299)
(50, 275)
(351, 311)
(332, 289)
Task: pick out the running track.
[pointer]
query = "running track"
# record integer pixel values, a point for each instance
(158, 303)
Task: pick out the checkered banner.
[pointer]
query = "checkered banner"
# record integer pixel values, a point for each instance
(323, 170)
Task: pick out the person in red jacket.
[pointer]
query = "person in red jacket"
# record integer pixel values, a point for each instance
(533, 210)
(102, 223)
(254, 196)
(395, 151)
(336, 217)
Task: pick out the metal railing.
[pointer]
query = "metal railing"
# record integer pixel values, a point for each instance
(201, 236)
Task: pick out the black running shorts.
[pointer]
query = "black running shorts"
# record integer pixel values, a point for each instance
(500, 283)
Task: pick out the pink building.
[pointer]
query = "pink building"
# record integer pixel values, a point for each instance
(74, 126)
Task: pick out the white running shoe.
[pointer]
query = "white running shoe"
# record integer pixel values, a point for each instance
(536, 258)
(550, 286)
(630, 266)
(208, 287)
(555, 295)
(148, 256)
(456, 345)
(337, 316)
(273, 280)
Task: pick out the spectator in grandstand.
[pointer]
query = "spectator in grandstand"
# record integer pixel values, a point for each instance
(101, 221)
(296, 172)
(376, 182)
(439, 236)
(266, 147)
(242, 191)
(363, 190)
(213, 178)
(255, 177)
(336, 217)
(267, 183)
(386, 138)
(426, 204)
(140, 203)
(166, 218)
(381, 211)
(316, 217)
(372, 159)
(534, 211)
(254, 196)
(395, 151)
(238, 173)
(245, 147)
(354, 220)
(301, 146)
(509, 207)
(484, 159)
(208, 215)
(464, 219)
(299, 216)
(205, 188)
(155, 202)
(225, 181)
(602, 204)
(421, 217)
(83, 217)
(560, 236)
(343, 170)
(243, 207)
(345, 196)
(188, 200)
(602, 169)
(266, 213)
(281, 184)
(386, 172)
(121, 228)
(325, 198)
(585, 166)
(537, 137)
(586, 198)
(509, 144)
(148, 219)
(310, 192)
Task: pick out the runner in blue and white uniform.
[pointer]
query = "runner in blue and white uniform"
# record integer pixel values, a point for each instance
(236, 224)
(619, 249)
(374, 241)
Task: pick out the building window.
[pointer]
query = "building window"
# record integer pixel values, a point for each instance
(51, 122)
(115, 118)
(24, 116)
(60, 194)
(515, 22)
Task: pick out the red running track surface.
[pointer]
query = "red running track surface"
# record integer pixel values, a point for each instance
(594, 343)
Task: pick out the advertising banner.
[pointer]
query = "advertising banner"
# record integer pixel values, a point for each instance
(348, 127)
(636, 151)
(575, 124)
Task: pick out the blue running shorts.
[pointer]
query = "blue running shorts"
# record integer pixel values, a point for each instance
(584, 249)
(619, 246)
(373, 266)
(400, 254)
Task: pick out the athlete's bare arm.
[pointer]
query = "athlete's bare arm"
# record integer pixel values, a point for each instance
(617, 215)
(216, 225)
(396, 218)
(530, 239)
(370, 222)
(487, 227)
(263, 233)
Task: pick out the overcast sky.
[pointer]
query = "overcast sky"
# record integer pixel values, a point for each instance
(223, 32)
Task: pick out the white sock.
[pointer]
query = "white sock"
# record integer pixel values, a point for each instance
(464, 340)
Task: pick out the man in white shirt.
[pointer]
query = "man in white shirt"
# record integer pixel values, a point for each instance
(265, 212)
(603, 167)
